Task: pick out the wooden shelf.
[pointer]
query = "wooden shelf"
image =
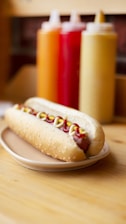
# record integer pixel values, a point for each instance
(39, 7)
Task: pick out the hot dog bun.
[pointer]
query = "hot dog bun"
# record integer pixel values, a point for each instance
(49, 139)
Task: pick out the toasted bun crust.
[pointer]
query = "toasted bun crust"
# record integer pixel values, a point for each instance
(50, 140)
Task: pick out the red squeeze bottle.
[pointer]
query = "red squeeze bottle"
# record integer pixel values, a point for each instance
(69, 61)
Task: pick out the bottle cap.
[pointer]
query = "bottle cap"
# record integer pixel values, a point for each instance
(100, 27)
(53, 23)
(74, 24)
(99, 24)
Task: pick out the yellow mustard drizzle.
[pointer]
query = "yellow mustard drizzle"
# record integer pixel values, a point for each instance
(57, 121)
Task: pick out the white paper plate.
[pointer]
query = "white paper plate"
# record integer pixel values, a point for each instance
(31, 158)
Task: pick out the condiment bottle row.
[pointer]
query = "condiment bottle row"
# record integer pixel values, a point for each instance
(58, 59)
(76, 64)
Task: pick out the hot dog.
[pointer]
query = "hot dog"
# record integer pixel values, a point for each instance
(56, 130)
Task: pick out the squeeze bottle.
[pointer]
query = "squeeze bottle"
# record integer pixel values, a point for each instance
(97, 69)
(47, 57)
(69, 61)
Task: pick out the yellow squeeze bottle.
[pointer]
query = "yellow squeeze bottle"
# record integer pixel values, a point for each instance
(97, 70)
(47, 57)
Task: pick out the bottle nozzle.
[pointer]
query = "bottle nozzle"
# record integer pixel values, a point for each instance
(54, 17)
(74, 17)
(54, 21)
(99, 18)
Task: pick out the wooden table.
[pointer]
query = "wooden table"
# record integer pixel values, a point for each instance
(94, 195)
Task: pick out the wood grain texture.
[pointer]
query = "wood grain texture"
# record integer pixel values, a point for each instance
(93, 195)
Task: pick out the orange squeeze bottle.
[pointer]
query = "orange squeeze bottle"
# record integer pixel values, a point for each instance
(47, 57)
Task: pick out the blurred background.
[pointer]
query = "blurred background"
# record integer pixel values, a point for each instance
(19, 22)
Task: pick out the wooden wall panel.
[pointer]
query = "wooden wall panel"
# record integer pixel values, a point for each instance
(41, 7)
(4, 48)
